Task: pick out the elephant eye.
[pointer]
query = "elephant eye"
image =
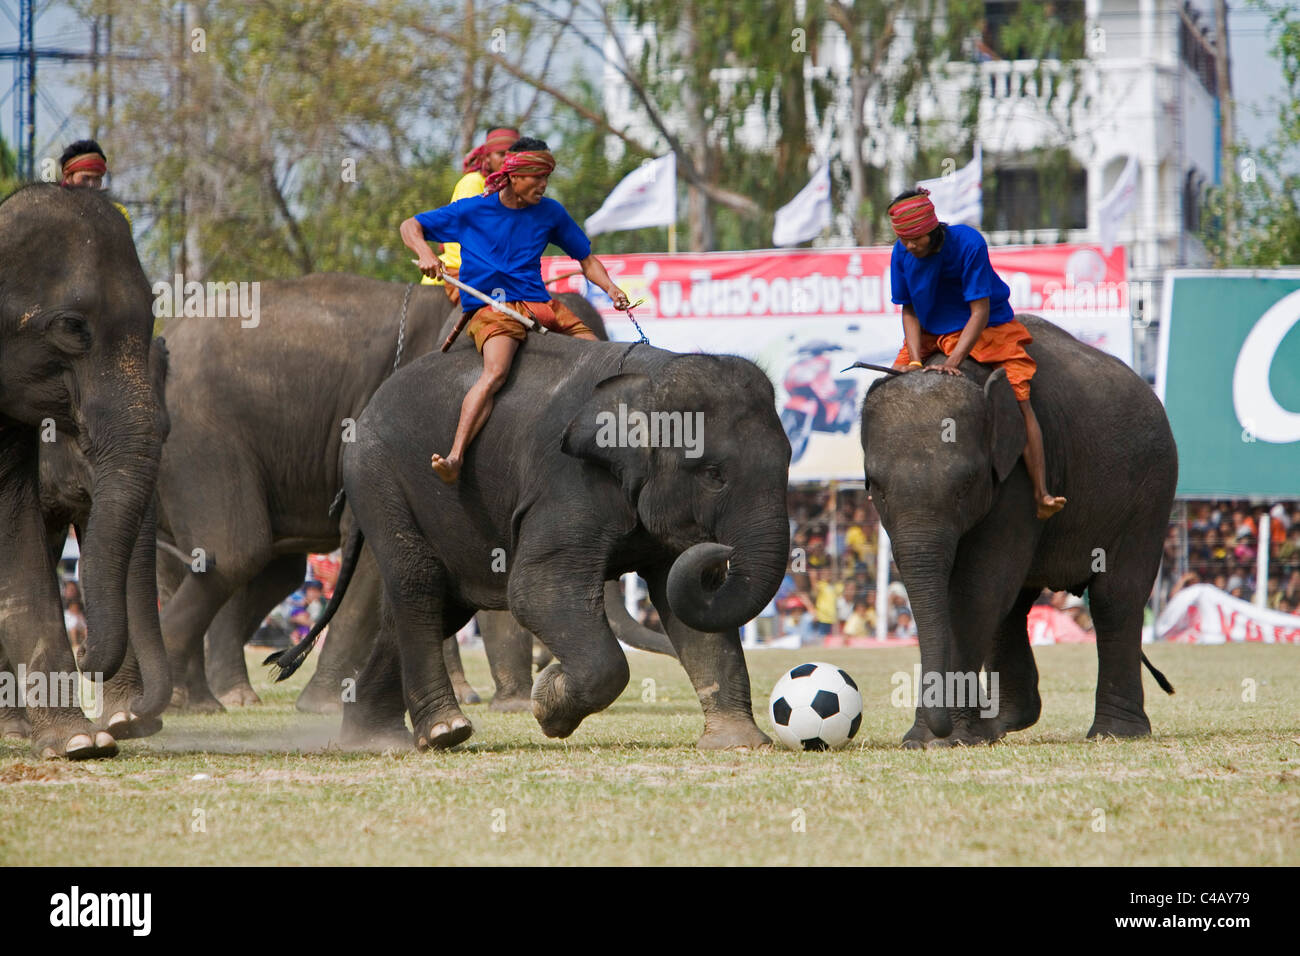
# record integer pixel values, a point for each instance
(713, 476)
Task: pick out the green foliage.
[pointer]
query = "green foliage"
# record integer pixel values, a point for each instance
(1261, 194)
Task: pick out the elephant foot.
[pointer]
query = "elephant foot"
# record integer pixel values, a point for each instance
(511, 703)
(732, 734)
(442, 729)
(1109, 727)
(919, 737)
(14, 724)
(124, 725)
(94, 745)
(466, 694)
(1016, 716)
(316, 699)
(241, 695)
(1117, 716)
(195, 702)
(555, 712)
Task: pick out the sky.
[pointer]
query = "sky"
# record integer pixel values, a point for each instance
(1256, 76)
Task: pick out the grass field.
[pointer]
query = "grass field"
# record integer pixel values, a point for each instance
(1218, 783)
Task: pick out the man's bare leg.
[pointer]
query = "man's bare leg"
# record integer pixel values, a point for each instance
(1046, 503)
(498, 353)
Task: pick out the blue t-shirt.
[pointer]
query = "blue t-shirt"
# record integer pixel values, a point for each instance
(501, 248)
(941, 286)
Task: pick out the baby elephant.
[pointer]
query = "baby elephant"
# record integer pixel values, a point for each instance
(599, 458)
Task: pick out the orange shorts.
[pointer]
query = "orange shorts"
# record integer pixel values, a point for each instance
(557, 317)
(998, 345)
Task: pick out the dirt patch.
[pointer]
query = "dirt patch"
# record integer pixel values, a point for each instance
(31, 773)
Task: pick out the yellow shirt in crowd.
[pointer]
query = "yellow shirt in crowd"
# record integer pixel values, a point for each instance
(471, 184)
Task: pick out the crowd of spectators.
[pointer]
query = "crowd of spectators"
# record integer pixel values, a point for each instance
(1218, 543)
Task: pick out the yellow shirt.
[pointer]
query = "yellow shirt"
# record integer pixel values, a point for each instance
(825, 601)
(471, 184)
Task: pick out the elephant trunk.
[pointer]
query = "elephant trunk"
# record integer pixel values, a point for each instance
(925, 558)
(123, 442)
(628, 629)
(142, 621)
(718, 586)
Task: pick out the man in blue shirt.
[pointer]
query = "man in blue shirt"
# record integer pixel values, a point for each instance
(954, 302)
(502, 235)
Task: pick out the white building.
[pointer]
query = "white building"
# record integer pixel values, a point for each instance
(1146, 88)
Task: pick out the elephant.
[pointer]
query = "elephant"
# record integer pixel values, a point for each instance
(251, 466)
(943, 464)
(67, 482)
(555, 498)
(75, 330)
(259, 417)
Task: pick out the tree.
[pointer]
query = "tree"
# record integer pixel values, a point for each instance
(1260, 197)
(276, 138)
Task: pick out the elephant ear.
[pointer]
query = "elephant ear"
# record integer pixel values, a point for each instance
(594, 433)
(1006, 425)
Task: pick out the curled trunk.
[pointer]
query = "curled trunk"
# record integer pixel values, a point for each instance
(720, 586)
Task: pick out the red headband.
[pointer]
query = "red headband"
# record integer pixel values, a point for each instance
(913, 217)
(502, 138)
(86, 162)
(532, 163)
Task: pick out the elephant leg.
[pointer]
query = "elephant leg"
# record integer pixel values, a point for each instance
(224, 666)
(32, 635)
(13, 722)
(374, 714)
(715, 665)
(1116, 606)
(185, 621)
(348, 646)
(1017, 673)
(415, 588)
(465, 694)
(509, 647)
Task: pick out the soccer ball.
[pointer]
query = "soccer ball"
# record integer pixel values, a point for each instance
(815, 707)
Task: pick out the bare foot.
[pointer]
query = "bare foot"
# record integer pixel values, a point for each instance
(448, 469)
(1048, 506)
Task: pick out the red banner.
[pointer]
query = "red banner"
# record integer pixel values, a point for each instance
(1048, 280)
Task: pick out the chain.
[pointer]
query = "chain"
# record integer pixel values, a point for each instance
(641, 341)
(401, 328)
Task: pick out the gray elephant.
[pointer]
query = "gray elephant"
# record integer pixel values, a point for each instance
(943, 465)
(587, 469)
(75, 328)
(251, 467)
(141, 688)
(260, 416)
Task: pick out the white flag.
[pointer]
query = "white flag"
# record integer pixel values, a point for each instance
(647, 196)
(807, 214)
(1117, 204)
(959, 196)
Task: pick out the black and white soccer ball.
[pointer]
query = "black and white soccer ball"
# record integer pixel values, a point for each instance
(815, 707)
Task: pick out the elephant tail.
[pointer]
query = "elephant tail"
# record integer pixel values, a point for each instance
(287, 661)
(1163, 681)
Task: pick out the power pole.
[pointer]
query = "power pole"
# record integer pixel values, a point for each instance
(1227, 145)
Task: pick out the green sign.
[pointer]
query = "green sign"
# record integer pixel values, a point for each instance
(1229, 376)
